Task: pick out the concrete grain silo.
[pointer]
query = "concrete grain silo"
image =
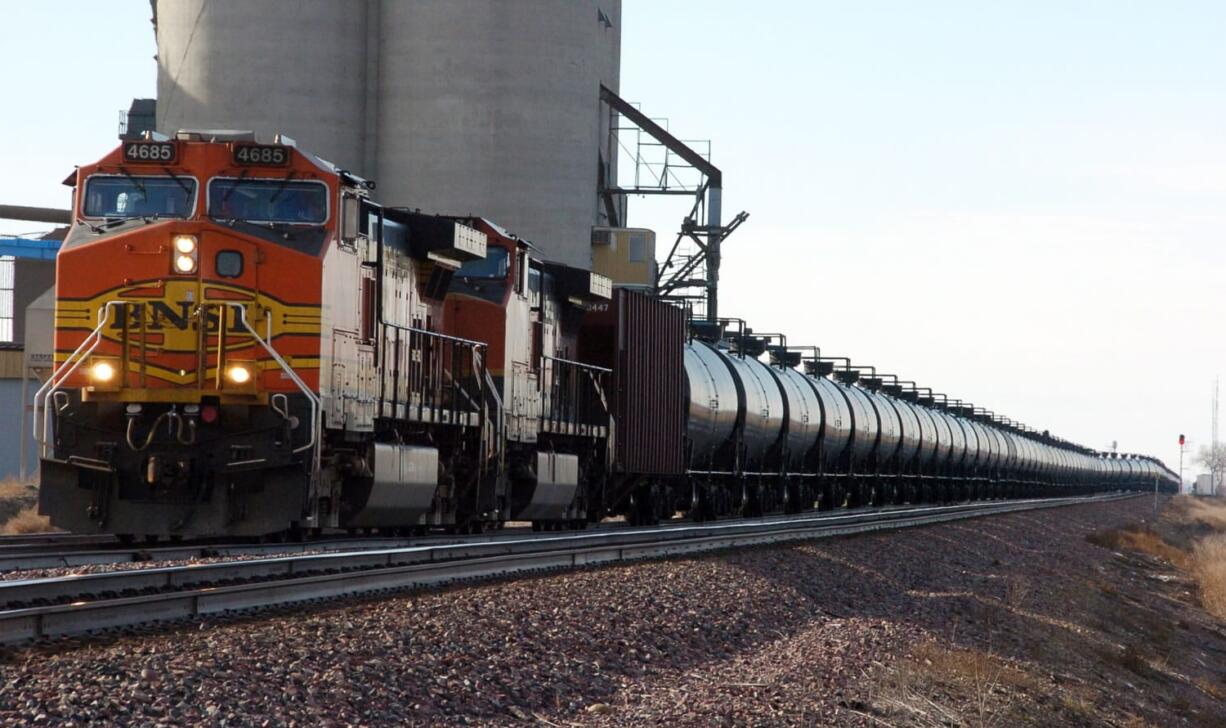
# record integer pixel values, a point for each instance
(489, 107)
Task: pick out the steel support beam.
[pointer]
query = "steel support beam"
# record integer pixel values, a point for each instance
(36, 214)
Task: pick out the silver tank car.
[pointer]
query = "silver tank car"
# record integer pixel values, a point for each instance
(889, 439)
(999, 450)
(726, 391)
(866, 428)
(761, 405)
(983, 452)
(836, 420)
(911, 433)
(942, 438)
(713, 402)
(957, 436)
(1031, 464)
(1024, 458)
(1010, 450)
(804, 414)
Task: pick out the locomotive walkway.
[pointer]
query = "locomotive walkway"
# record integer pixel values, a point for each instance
(77, 605)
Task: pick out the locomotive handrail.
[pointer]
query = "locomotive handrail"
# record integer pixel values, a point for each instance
(59, 375)
(495, 440)
(432, 367)
(435, 334)
(316, 422)
(579, 364)
(566, 402)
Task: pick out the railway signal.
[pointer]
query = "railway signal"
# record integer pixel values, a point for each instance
(1182, 442)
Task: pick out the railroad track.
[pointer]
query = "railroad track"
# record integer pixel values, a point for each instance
(58, 607)
(50, 551)
(65, 550)
(56, 554)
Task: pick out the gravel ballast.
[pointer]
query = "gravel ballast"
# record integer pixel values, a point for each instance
(799, 635)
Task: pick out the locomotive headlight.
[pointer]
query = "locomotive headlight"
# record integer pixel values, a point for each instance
(104, 375)
(184, 253)
(240, 376)
(185, 243)
(185, 264)
(102, 372)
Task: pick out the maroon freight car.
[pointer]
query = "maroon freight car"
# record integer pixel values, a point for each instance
(641, 339)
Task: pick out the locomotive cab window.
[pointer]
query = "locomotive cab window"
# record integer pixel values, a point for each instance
(492, 267)
(123, 196)
(269, 200)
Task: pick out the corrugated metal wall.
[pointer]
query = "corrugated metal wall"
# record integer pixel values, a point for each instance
(10, 434)
(650, 375)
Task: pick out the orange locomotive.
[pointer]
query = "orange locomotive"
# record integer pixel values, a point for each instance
(247, 344)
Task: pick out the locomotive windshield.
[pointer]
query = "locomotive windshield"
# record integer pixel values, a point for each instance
(493, 265)
(139, 196)
(269, 200)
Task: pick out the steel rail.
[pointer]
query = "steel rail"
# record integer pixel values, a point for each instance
(66, 550)
(331, 556)
(53, 551)
(82, 550)
(378, 554)
(330, 576)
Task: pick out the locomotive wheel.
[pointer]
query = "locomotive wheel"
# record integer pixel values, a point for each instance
(831, 496)
(643, 509)
(700, 500)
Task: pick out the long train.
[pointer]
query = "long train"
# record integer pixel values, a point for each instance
(246, 343)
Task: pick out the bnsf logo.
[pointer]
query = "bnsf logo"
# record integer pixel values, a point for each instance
(182, 316)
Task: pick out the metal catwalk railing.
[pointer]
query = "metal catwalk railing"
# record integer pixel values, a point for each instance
(430, 377)
(572, 396)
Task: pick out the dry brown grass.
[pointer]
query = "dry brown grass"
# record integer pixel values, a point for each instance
(1211, 513)
(13, 488)
(1204, 560)
(1141, 539)
(917, 692)
(1209, 569)
(27, 521)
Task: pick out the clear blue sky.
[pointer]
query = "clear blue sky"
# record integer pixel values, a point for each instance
(1018, 203)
